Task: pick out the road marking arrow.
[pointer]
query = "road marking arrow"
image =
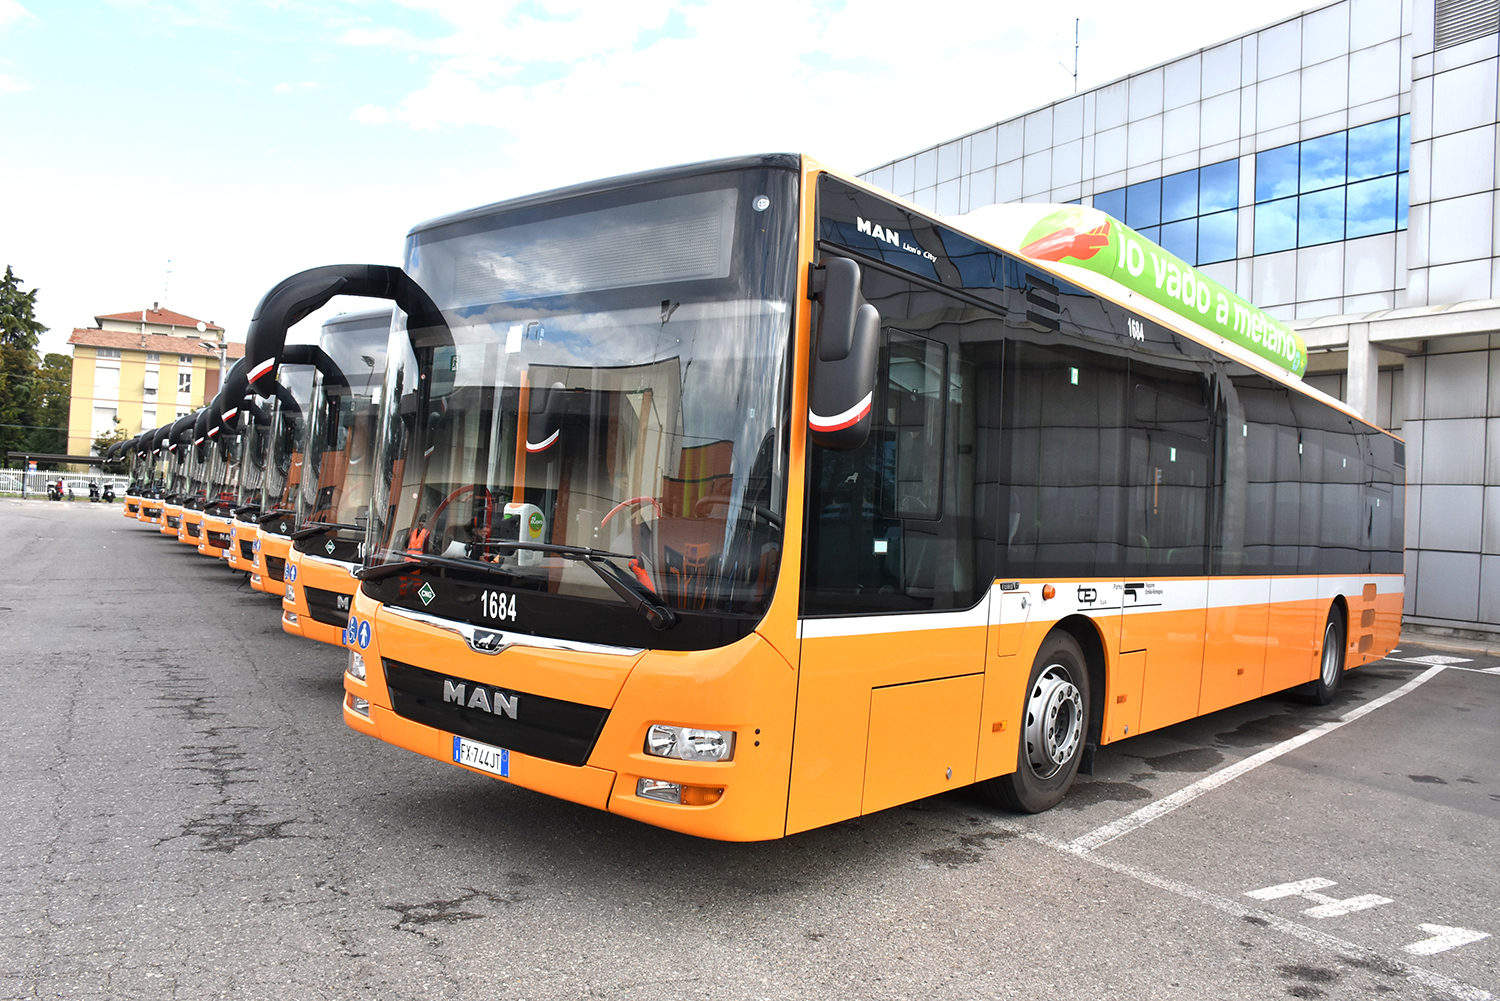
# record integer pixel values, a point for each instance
(1443, 939)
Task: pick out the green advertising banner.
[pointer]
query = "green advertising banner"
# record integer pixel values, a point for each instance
(1087, 238)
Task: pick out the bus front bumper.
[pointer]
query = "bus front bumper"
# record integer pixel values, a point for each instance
(317, 598)
(745, 687)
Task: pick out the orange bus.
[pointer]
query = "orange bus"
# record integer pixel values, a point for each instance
(287, 388)
(224, 443)
(334, 500)
(149, 500)
(197, 466)
(252, 419)
(742, 498)
(175, 472)
(130, 451)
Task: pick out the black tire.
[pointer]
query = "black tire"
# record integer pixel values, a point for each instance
(1331, 662)
(1054, 729)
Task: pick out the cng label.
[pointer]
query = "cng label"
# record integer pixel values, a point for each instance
(329, 547)
(426, 593)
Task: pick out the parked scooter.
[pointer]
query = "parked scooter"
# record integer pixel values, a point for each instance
(93, 492)
(109, 493)
(54, 490)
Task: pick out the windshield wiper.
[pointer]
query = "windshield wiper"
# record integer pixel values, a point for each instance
(415, 561)
(630, 591)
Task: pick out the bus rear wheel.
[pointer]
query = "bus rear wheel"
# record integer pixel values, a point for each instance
(1054, 729)
(1331, 666)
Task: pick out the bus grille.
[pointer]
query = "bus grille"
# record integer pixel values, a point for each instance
(275, 568)
(544, 728)
(219, 540)
(247, 550)
(195, 528)
(174, 520)
(328, 607)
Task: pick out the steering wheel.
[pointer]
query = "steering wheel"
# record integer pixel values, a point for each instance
(433, 519)
(702, 506)
(655, 504)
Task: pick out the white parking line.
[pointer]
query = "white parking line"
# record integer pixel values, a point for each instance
(1161, 807)
(1443, 939)
(1332, 943)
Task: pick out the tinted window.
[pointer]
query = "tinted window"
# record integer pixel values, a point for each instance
(1059, 471)
(892, 524)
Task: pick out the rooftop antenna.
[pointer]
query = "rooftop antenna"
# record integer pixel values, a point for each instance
(167, 281)
(1075, 57)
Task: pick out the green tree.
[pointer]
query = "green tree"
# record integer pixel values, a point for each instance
(105, 439)
(19, 333)
(53, 397)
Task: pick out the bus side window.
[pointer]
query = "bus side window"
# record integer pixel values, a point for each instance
(915, 379)
(1169, 472)
(891, 525)
(1059, 468)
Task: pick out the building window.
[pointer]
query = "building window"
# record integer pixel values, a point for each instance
(1192, 214)
(107, 352)
(184, 382)
(184, 359)
(1335, 187)
(153, 356)
(151, 381)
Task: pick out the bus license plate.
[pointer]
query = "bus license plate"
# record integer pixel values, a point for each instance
(495, 760)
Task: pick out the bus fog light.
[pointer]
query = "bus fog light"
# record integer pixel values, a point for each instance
(290, 617)
(689, 744)
(359, 705)
(291, 594)
(356, 666)
(665, 792)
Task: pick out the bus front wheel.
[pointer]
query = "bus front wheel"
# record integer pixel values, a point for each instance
(1054, 729)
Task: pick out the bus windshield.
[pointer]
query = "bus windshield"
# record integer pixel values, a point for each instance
(177, 472)
(255, 452)
(224, 473)
(340, 449)
(291, 395)
(613, 377)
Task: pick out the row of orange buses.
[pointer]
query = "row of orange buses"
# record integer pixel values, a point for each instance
(741, 498)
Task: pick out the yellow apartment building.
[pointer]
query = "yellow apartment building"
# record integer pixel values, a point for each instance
(145, 367)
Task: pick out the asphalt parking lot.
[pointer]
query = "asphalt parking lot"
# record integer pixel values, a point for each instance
(187, 816)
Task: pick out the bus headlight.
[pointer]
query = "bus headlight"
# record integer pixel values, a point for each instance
(666, 792)
(356, 666)
(689, 744)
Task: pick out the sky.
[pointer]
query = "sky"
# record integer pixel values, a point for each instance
(196, 152)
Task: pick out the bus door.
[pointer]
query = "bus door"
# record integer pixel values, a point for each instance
(895, 615)
(1165, 594)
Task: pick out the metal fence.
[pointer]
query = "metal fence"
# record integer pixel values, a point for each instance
(16, 483)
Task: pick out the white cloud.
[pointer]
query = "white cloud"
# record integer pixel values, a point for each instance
(858, 84)
(10, 85)
(287, 88)
(12, 12)
(371, 114)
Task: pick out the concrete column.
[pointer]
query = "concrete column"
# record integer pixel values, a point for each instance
(1363, 381)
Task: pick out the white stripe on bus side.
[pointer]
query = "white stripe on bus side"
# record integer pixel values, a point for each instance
(1160, 595)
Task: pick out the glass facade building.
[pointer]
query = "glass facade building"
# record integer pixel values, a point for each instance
(1339, 169)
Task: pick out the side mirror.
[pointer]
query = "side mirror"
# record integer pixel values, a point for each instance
(842, 385)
